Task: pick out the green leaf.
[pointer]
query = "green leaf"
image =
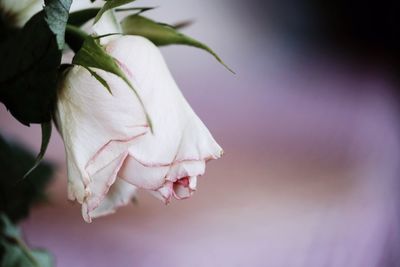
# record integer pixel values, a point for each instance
(110, 5)
(14, 251)
(28, 73)
(7, 228)
(57, 12)
(46, 134)
(7, 25)
(162, 34)
(30, 59)
(93, 55)
(78, 18)
(17, 195)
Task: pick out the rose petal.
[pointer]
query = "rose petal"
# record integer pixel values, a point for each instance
(181, 188)
(164, 193)
(142, 176)
(120, 194)
(100, 184)
(186, 168)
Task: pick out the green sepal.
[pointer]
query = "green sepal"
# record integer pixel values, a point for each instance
(78, 18)
(93, 55)
(162, 34)
(46, 134)
(181, 24)
(110, 5)
(138, 9)
(100, 79)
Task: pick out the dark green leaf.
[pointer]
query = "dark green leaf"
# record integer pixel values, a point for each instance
(110, 5)
(28, 73)
(78, 18)
(30, 59)
(8, 25)
(14, 251)
(57, 12)
(162, 34)
(46, 134)
(17, 195)
(92, 55)
(106, 35)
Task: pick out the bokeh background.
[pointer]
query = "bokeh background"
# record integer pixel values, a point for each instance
(309, 126)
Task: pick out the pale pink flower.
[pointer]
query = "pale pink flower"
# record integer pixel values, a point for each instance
(110, 148)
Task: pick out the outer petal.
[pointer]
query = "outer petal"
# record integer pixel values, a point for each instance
(181, 143)
(120, 194)
(103, 179)
(97, 129)
(140, 175)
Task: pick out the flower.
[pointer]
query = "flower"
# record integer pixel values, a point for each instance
(109, 146)
(20, 11)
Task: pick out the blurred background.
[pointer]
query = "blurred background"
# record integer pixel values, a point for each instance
(309, 126)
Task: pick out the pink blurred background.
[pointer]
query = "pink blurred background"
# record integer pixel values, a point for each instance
(309, 176)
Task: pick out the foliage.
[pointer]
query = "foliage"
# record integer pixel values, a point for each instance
(33, 52)
(110, 4)
(17, 195)
(15, 253)
(162, 34)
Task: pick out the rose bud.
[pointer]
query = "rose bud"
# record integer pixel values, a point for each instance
(110, 147)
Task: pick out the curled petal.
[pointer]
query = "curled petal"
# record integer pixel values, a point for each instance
(143, 176)
(184, 187)
(120, 194)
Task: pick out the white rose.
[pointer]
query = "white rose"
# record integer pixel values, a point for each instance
(110, 149)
